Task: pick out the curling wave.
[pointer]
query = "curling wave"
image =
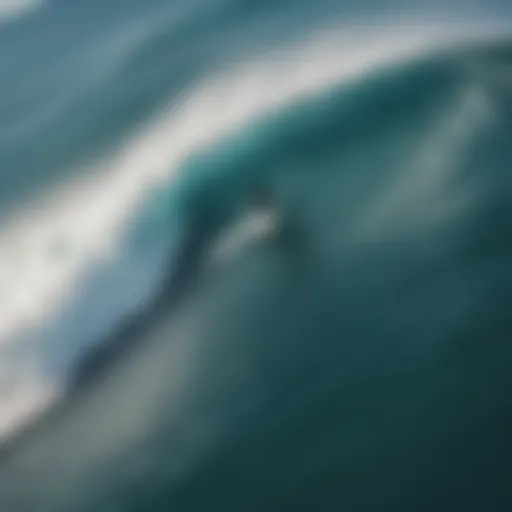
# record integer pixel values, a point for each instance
(299, 371)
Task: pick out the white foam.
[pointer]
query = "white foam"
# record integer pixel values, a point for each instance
(12, 9)
(88, 215)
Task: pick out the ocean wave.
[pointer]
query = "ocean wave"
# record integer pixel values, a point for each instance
(364, 136)
(81, 226)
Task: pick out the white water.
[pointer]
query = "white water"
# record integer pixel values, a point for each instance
(46, 247)
(13, 9)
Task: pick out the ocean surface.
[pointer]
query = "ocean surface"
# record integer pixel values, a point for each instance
(169, 344)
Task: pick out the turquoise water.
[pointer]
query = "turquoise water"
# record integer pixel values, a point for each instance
(360, 359)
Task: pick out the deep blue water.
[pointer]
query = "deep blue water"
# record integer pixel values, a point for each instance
(356, 360)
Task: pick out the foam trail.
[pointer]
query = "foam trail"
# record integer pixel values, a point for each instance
(45, 250)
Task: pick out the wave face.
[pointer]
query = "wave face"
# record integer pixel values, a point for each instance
(158, 352)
